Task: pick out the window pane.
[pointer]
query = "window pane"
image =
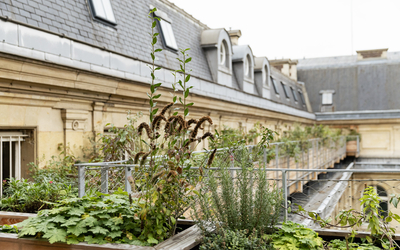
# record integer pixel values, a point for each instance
(285, 90)
(168, 34)
(99, 9)
(327, 98)
(302, 98)
(294, 94)
(108, 10)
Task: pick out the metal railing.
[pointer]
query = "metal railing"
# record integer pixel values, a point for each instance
(311, 154)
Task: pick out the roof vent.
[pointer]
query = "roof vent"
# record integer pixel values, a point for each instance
(235, 35)
(372, 54)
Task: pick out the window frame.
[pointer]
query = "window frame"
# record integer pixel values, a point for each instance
(329, 97)
(101, 19)
(302, 97)
(285, 90)
(274, 85)
(163, 35)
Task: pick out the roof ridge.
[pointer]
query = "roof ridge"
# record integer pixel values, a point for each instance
(183, 12)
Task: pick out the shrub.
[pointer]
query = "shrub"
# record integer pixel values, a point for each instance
(342, 245)
(96, 220)
(28, 197)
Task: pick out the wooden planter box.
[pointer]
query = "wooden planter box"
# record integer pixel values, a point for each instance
(11, 218)
(351, 148)
(185, 240)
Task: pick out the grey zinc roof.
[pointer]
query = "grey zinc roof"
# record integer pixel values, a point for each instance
(359, 85)
(130, 36)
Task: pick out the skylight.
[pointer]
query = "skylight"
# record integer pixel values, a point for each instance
(285, 90)
(102, 9)
(294, 94)
(168, 34)
(275, 87)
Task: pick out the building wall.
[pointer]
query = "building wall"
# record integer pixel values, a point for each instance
(67, 106)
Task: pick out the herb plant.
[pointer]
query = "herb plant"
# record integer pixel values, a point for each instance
(30, 197)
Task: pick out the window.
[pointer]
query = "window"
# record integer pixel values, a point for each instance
(247, 66)
(326, 98)
(275, 87)
(266, 76)
(223, 54)
(285, 90)
(168, 34)
(294, 94)
(302, 98)
(383, 200)
(102, 10)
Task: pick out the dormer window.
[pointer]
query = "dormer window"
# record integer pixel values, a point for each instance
(168, 34)
(102, 10)
(223, 54)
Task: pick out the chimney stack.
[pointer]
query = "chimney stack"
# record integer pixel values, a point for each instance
(235, 35)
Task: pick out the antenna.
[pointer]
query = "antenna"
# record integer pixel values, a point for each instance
(351, 23)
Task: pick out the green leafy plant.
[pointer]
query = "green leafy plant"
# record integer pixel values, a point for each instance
(9, 229)
(236, 239)
(352, 135)
(96, 220)
(296, 236)
(30, 197)
(244, 200)
(343, 245)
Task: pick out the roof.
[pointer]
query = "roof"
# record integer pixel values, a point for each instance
(74, 19)
(343, 61)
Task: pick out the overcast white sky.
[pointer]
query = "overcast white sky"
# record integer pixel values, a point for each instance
(303, 28)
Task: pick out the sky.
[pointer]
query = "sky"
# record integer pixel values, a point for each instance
(304, 28)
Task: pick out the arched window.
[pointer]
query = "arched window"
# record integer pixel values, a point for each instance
(265, 76)
(247, 66)
(223, 54)
(383, 200)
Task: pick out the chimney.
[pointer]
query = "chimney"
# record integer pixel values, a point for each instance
(235, 35)
(372, 54)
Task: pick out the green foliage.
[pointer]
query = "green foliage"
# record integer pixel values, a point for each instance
(371, 213)
(296, 236)
(29, 197)
(248, 201)
(8, 229)
(235, 239)
(228, 137)
(352, 135)
(341, 245)
(96, 220)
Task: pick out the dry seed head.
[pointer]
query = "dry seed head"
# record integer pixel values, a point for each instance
(136, 157)
(144, 158)
(157, 175)
(145, 126)
(198, 125)
(166, 107)
(211, 158)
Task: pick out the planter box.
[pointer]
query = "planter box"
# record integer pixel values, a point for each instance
(351, 148)
(11, 218)
(184, 240)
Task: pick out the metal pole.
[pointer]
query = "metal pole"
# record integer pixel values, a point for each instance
(358, 144)
(81, 181)
(285, 194)
(277, 159)
(19, 158)
(232, 165)
(104, 180)
(10, 149)
(128, 173)
(1, 166)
